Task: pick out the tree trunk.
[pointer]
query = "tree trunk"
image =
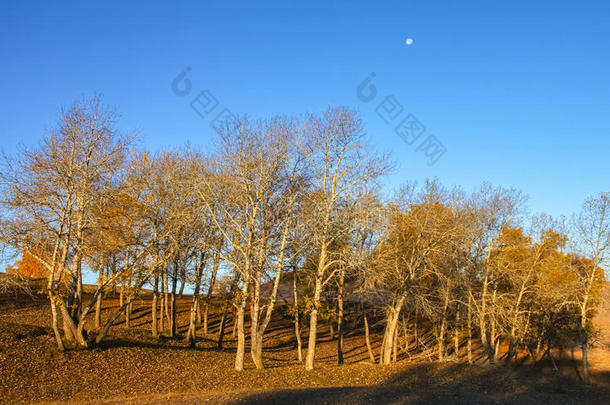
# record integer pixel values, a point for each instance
(206, 311)
(255, 336)
(256, 351)
(584, 335)
(75, 305)
(128, 315)
(98, 304)
(297, 331)
(75, 333)
(238, 319)
(173, 329)
(155, 298)
(67, 308)
(368, 339)
(340, 317)
(191, 334)
(241, 334)
(260, 326)
(585, 362)
(198, 311)
(456, 336)
(166, 297)
(98, 311)
(182, 281)
(585, 351)
(390, 332)
(313, 324)
(79, 289)
(493, 331)
(162, 302)
(60, 343)
(443, 326)
(161, 312)
(469, 321)
(210, 292)
(482, 314)
(395, 345)
(172, 319)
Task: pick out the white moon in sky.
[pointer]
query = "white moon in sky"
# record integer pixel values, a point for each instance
(409, 41)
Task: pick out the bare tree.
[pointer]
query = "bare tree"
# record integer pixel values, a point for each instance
(250, 199)
(413, 258)
(592, 229)
(53, 195)
(50, 191)
(488, 211)
(342, 165)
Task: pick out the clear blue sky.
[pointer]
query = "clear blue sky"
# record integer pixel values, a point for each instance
(519, 93)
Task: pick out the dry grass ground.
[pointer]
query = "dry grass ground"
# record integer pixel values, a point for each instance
(132, 367)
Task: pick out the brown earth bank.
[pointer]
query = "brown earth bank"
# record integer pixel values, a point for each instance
(132, 367)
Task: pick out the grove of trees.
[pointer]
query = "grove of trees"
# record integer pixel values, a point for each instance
(297, 201)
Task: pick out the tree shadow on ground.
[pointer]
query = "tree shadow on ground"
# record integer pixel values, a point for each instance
(113, 343)
(454, 383)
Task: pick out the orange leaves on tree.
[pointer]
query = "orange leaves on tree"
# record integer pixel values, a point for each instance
(28, 266)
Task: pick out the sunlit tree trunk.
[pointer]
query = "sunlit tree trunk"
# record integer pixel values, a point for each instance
(493, 338)
(443, 325)
(469, 326)
(128, 314)
(340, 316)
(313, 322)
(395, 344)
(191, 334)
(155, 298)
(70, 325)
(368, 339)
(75, 291)
(241, 334)
(456, 336)
(182, 281)
(162, 291)
(256, 341)
(483, 314)
(172, 318)
(52, 300)
(166, 296)
(208, 297)
(98, 304)
(313, 316)
(584, 339)
(390, 331)
(297, 331)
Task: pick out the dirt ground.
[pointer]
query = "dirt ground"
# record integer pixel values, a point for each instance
(132, 367)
